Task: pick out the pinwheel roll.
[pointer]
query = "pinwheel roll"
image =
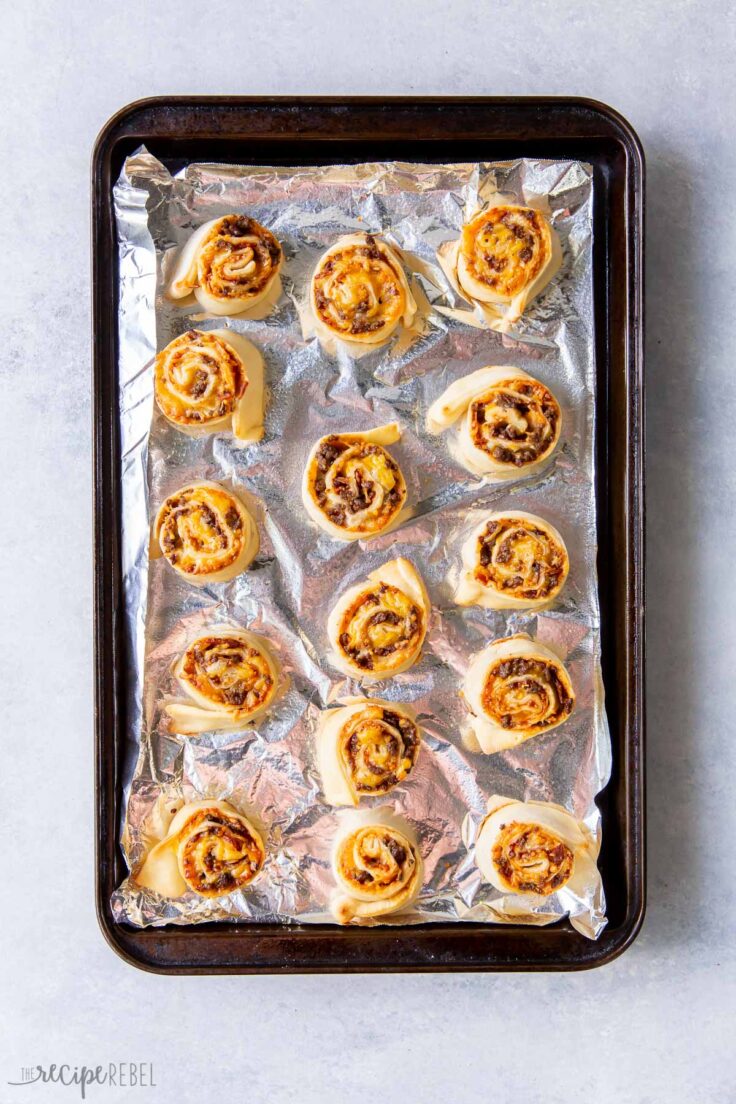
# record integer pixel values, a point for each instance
(230, 678)
(360, 292)
(516, 688)
(352, 487)
(229, 263)
(208, 848)
(536, 848)
(208, 381)
(378, 869)
(512, 560)
(511, 423)
(365, 748)
(504, 258)
(378, 627)
(206, 533)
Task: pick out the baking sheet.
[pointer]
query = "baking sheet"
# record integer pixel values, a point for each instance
(288, 593)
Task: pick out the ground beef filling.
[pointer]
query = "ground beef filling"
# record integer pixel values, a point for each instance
(515, 555)
(531, 859)
(515, 423)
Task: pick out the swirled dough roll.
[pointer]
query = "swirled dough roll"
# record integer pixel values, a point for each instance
(352, 487)
(208, 848)
(506, 255)
(511, 423)
(229, 263)
(230, 677)
(205, 381)
(512, 560)
(378, 627)
(516, 688)
(536, 848)
(206, 533)
(378, 870)
(365, 748)
(359, 291)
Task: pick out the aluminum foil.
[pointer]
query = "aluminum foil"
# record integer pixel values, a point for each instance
(270, 769)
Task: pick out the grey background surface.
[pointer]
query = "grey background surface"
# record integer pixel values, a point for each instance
(658, 1024)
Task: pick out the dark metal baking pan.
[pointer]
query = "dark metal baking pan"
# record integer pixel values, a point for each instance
(277, 130)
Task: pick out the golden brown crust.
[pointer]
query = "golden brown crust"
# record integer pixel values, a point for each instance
(516, 422)
(505, 248)
(531, 859)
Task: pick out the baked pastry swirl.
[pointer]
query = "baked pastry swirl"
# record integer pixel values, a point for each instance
(359, 291)
(205, 381)
(536, 848)
(208, 848)
(511, 423)
(505, 256)
(378, 869)
(229, 263)
(352, 487)
(206, 533)
(512, 560)
(516, 688)
(229, 676)
(378, 627)
(365, 749)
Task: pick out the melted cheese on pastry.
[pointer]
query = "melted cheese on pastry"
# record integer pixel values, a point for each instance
(359, 291)
(229, 263)
(516, 688)
(206, 533)
(205, 381)
(208, 848)
(512, 560)
(352, 487)
(365, 749)
(511, 423)
(378, 870)
(230, 677)
(536, 848)
(378, 627)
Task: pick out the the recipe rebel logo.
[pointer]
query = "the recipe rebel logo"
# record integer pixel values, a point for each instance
(119, 1075)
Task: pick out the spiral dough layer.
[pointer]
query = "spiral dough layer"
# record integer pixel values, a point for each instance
(516, 688)
(230, 677)
(206, 533)
(502, 252)
(208, 848)
(353, 488)
(365, 749)
(380, 871)
(199, 380)
(230, 264)
(377, 628)
(512, 561)
(359, 290)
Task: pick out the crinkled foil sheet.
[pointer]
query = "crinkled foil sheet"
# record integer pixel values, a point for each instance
(293, 584)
